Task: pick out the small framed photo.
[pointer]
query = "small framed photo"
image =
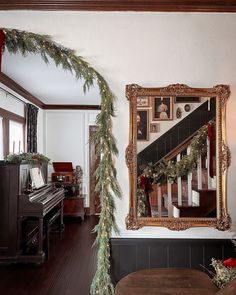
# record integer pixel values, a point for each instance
(162, 108)
(143, 101)
(185, 99)
(154, 127)
(142, 125)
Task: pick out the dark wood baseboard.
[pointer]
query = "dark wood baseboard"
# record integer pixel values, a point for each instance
(87, 210)
(129, 255)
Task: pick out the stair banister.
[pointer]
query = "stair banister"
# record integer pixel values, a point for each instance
(199, 173)
(169, 193)
(208, 165)
(179, 185)
(159, 200)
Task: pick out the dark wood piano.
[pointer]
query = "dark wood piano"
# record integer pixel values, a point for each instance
(22, 215)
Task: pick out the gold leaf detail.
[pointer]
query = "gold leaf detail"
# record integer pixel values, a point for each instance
(131, 90)
(225, 157)
(176, 224)
(129, 156)
(176, 89)
(223, 91)
(224, 222)
(132, 223)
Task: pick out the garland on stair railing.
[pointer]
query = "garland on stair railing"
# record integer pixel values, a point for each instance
(165, 170)
(25, 42)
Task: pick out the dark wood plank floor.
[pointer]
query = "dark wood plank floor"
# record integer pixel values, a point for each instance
(69, 270)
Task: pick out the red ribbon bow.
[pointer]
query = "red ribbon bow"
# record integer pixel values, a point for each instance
(230, 262)
(2, 41)
(211, 137)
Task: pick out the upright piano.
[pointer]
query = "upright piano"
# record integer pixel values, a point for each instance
(19, 207)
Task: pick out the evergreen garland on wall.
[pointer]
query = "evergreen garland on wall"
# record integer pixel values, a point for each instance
(25, 42)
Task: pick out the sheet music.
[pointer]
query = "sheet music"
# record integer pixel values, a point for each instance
(36, 177)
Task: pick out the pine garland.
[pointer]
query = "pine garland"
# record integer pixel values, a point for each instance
(25, 42)
(169, 170)
(29, 158)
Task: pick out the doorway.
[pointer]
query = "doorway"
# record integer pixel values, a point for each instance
(94, 161)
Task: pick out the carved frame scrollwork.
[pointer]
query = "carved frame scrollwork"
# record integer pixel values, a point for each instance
(223, 220)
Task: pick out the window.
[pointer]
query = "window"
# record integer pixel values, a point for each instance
(16, 137)
(12, 130)
(1, 139)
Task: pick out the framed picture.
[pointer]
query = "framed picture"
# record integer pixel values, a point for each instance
(162, 108)
(143, 101)
(142, 125)
(154, 127)
(184, 99)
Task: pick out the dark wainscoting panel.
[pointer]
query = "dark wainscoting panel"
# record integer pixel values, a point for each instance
(129, 255)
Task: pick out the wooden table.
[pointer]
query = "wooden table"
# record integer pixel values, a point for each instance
(74, 207)
(166, 281)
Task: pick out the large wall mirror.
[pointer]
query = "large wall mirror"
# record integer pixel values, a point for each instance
(178, 157)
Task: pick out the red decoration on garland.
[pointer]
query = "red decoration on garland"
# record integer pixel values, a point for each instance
(145, 185)
(211, 137)
(230, 262)
(2, 41)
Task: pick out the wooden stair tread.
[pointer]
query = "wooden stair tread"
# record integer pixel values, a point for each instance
(184, 205)
(205, 190)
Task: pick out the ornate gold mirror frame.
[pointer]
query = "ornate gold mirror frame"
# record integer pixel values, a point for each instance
(223, 220)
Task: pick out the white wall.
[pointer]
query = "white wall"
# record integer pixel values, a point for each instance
(12, 105)
(67, 140)
(151, 49)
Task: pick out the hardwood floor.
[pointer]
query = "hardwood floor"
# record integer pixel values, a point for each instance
(69, 270)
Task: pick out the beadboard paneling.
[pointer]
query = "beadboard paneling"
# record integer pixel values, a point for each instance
(129, 255)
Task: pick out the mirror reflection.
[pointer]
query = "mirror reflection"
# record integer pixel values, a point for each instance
(176, 156)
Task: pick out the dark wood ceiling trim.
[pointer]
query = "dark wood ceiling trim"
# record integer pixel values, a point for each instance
(7, 81)
(71, 107)
(11, 116)
(123, 5)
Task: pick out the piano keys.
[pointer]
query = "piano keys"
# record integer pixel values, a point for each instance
(40, 202)
(17, 207)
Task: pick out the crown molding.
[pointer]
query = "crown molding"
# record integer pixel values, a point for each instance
(7, 81)
(71, 107)
(122, 5)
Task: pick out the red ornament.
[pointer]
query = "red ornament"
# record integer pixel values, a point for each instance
(145, 185)
(2, 41)
(211, 137)
(230, 262)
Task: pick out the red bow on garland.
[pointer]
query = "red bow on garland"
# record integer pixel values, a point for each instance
(145, 185)
(2, 41)
(211, 137)
(230, 262)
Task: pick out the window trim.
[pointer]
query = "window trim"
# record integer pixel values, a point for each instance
(7, 117)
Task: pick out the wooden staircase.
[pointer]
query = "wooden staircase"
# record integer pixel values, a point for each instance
(203, 202)
(206, 207)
